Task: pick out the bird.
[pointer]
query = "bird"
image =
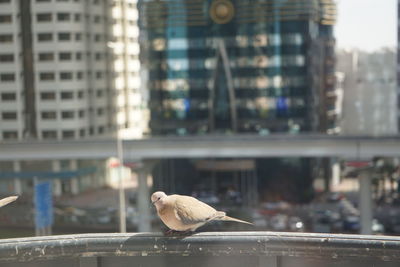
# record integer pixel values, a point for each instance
(185, 214)
(7, 200)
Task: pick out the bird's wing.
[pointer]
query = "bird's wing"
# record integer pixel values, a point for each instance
(7, 200)
(192, 211)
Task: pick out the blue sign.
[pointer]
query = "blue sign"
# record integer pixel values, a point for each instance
(43, 205)
(281, 106)
(186, 103)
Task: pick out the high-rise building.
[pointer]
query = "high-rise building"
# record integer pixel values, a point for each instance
(398, 64)
(238, 66)
(369, 106)
(69, 69)
(57, 76)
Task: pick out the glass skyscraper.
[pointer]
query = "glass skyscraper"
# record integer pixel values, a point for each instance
(238, 66)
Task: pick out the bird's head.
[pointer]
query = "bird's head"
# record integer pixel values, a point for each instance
(157, 198)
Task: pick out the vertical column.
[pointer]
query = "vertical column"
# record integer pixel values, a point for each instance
(74, 181)
(56, 166)
(256, 188)
(326, 167)
(365, 202)
(335, 169)
(30, 129)
(17, 181)
(143, 201)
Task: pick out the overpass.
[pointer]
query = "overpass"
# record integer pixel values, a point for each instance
(215, 146)
(222, 146)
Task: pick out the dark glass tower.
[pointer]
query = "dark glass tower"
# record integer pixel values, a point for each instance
(238, 66)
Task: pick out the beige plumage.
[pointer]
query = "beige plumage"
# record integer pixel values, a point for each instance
(184, 213)
(7, 200)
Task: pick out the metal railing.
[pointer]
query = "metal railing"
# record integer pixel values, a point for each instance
(220, 249)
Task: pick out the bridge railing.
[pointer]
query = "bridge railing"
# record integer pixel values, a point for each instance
(224, 249)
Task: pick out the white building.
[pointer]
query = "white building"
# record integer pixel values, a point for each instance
(69, 69)
(370, 98)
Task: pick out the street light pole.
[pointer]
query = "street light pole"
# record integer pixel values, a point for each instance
(122, 209)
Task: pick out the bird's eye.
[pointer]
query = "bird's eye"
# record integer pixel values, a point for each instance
(159, 198)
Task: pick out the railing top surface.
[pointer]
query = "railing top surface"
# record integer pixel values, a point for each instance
(304, 245)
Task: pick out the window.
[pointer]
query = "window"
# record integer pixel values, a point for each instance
(46, 76)
(9, 116)
(79, 75)
(77, 17)
(68, 134)
(10, 135)
(67, 95)
(78, 36)
(100, 130)
(45, 37)
(6, 38)
(46, 56)
(97, 37)
(5, 18)
(48, 115)
(7, 77)
(99, 75)
(98, 56)
(78, 56)
(96, 19)
(65, 56)
(82, 132)
(8, 96)
(49, 134)
(38, 1)
(67, 115)
(6, 57)
(100, 111)
(44, 17)
(63, 16)
(65, 75)
(64, 36)
(4, 1)
(99, 93)
(47, 96)
(81, 113)
(80, 94)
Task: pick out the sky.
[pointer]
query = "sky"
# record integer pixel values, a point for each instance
(366, 24)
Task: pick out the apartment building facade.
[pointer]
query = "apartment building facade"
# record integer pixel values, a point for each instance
(69, 69)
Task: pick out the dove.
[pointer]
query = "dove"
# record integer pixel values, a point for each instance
(7, 200)
(185, 213)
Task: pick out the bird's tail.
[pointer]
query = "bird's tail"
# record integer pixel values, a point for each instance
(7, 200)
(222, 217)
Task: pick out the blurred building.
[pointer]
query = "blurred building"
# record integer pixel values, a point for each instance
(68, 70)
(222, 66)
(370, 98)
(398, 65)
(238, 66)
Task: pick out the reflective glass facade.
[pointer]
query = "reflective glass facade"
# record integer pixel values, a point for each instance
(270, 80)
